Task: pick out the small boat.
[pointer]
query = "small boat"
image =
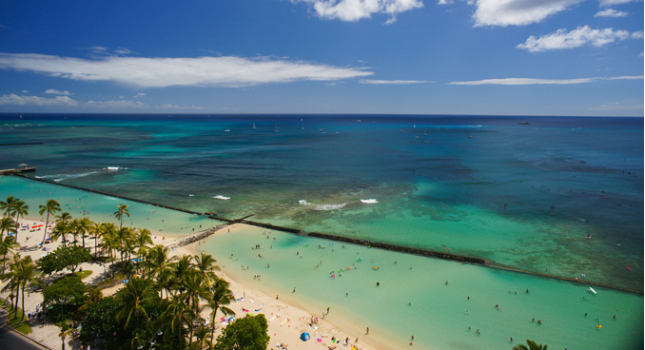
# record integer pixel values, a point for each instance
(414, 126)
(253, 125)
(523, 123)
(592, 290)
(227, 130)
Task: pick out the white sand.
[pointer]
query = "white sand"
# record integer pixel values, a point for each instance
(286, 327)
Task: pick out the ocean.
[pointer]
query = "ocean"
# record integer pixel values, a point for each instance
(521, 196)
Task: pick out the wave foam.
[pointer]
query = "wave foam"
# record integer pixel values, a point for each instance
(222, 197)
(326, 207)
(369, 201)
(61, 177)
(303, 202)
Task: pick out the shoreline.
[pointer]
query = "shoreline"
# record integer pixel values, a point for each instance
(298, 313)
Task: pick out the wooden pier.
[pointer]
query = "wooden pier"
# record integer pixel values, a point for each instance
(19, 170)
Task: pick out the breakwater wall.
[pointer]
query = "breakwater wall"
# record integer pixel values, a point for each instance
(271, 227)
(109, 194)
(402, 249)
(196, 236)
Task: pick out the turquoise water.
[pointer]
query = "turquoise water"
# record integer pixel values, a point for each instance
(437, 319)
(521, 196)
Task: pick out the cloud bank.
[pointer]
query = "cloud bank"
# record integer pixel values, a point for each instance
(228, 71)
(354, 10)
(578, 37)
(517, 12)
(530, 81)
(14, 99)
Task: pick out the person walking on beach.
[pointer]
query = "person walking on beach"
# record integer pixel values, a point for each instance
(368, 331)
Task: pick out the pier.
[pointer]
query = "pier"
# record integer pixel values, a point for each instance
(25, 169)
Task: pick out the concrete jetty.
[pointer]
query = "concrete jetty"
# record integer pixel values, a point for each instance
(18, 170)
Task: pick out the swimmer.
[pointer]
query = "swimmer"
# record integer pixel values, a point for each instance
(511, 339)
(527, 290)
(468, 298)
(268, 265)
(377, 284)
(259, 255)
(479, 332)
(515, 292)
(294, 289)
(614, 316)
(446, 282)
(533, 319)
(585, 314)
(410, 304)
(466, 311)
(539, 322)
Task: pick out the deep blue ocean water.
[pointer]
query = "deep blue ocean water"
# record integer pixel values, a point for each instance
(525, 196)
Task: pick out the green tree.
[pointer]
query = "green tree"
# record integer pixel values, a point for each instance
(220, 296)
(532, 346)
(7, 245)
(51, 208)
(61, 229)
(27, 274)
(83, 226)
(7, 206)
(20, 209)
(8, 225)
(96, 230)
(249, 332)
(178, 314)
(132, 299)
(64, 257)
(66, 290)
(205, 264)
(122, 210)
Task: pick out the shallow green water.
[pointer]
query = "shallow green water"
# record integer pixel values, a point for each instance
(438, 319)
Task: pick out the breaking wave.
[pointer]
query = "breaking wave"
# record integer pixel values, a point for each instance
(61, 177)
(369, 201)
(222, 197)
(326, 207)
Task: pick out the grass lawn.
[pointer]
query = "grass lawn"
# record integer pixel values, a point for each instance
(83, 274)
(12, 322)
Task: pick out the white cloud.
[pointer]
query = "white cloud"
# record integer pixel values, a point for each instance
(561, 39)
(354, 10)
(394, 82)
(56, 92)
(227, 71)
(140, 94)
(14, 99)
(116, 104)
(604, 3)
(171, 106)
(24, 91)
(517, 12)
(531, 81)
(445, 2)
(629, 77)
(611, 13)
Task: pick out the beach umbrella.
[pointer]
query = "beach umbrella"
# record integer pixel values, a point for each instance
(305, 336)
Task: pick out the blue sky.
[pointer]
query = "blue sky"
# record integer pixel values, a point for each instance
(495, 57)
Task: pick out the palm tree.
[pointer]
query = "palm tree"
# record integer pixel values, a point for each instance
(156, 260)
(532, 346)
(7, 245)
(142, 238)
(14, 281)
(9, 225)
(179, 315)
(51, 208)
(20, 209)
(121, 211)
(60, 230)
(83, 226)
(202, 338)
(180, 270)
(109, 238)
(27, 273)
(8, 205)
(221, 296)
(134, 297)
(73, 229)
(123, 236)
(205, 264)
(96, 230)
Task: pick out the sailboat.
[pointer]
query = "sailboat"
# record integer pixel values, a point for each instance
(276, 128)
(253, 125)
(414, 125)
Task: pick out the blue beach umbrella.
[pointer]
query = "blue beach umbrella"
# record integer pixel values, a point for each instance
(305, 336)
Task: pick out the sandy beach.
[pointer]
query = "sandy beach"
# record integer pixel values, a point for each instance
(286, 320)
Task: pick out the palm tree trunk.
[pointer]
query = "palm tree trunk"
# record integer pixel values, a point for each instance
(179, 335)
(213, 326)
(4, 260)
(96, 238)
(15, 315)
(17, 230)
(23, 303)
(46, 224)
